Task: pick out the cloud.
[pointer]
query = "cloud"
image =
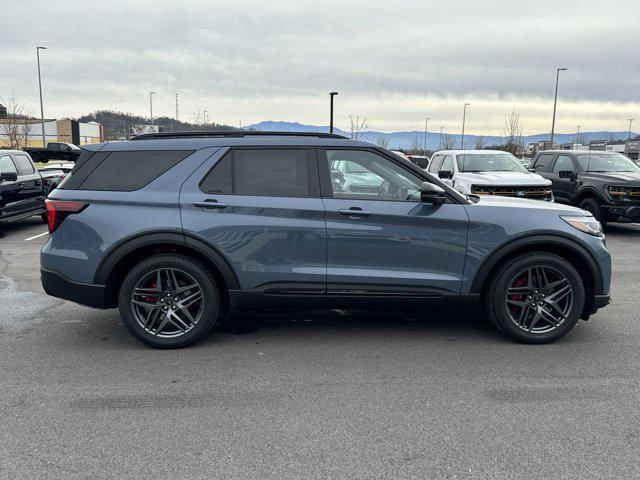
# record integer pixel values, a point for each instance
(392, 61)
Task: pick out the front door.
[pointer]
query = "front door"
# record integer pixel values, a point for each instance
(261, 209)
(30, 182)
(381, 240)
(9, 190)
(563, 188)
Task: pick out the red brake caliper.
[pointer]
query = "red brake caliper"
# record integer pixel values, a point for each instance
(517, 297)
(149, 299)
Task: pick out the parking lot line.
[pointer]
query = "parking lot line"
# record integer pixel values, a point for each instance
(36, 236)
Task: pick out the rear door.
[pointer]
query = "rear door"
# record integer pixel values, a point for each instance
(383, 242)
(31, 193)
(9, 191)
(261, 209)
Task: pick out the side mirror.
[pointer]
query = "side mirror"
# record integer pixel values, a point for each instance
(430, 193)
(567, 174)
(8, 177)
(445, 174)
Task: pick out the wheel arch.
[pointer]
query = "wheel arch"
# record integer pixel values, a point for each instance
(576, 254)
(588, 192)
(122, 256)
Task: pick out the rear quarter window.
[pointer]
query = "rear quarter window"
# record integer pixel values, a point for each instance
(123, 171)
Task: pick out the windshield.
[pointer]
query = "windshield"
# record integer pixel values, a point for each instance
(606, 162)
(489, 162)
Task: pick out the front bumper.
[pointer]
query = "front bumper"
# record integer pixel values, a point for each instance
(622, 213)
(58, 285)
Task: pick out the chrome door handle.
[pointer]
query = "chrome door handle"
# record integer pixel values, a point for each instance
(354, 212)
(210, 205)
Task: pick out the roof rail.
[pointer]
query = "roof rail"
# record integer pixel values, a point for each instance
(233, 134)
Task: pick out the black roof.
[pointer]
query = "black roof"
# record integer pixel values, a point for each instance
(233, 134)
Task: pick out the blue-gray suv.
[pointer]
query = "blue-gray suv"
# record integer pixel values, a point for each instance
(178, 230)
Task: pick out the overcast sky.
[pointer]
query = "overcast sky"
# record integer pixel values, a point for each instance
(394, 62)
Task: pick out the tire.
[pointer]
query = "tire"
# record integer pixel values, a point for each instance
(592, 205)
(168, 324)
(519, 315)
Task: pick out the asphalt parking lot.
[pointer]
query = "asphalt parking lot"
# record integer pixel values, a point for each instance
(314, 396)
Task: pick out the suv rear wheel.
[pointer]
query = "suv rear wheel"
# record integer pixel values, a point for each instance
(169, 301)
(535, 297)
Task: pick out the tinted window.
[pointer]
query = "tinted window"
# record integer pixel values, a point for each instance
(543, 162)
(563, 164)
(268, 172)
(6, 165)
(606, 162)
(25, 167)
(434, 166)
(220, 178)
(128, 171)
(368, 176)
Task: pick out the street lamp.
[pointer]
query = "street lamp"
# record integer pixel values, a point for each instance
(331, 95)
(151, 94)
(630, 122)
(426, 124)
(464, 118)
(40, 87)
(578, 134)
(440, 144)
(555, 102)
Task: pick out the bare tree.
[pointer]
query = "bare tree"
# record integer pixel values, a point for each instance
(447, 142)
(480, 141)
(17, 126)
(513, 132)
(383, 142)
(358, 127)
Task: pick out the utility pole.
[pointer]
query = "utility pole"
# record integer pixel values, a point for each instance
(555, 102)
(426, 124)
(440, 144)
(151, 94)
(331, 95)
(578, 134)
(44, 142)
(177, 107)
(630, 122)
(464, 118)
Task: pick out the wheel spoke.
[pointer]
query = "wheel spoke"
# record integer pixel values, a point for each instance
(190, 300)
(534, 320)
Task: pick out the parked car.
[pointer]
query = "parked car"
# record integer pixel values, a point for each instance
(54, 173)
(54, 151)
(489, 172)
(420, 160)
(64, 167)
(606, 184)
(526, 162)
(22, 188)
(177, 230)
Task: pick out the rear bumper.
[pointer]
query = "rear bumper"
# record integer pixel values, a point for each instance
(59, 286)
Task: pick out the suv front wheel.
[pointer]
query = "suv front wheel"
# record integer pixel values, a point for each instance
(535, 297)
(169, 301)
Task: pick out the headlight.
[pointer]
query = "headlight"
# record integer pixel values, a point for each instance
(585, 224)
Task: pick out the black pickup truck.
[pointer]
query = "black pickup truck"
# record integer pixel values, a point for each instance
(22, 188)
(54, 151)
(607, 184)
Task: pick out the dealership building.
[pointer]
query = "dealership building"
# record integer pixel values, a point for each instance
(62, 130)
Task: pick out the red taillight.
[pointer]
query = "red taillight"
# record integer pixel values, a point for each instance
(58, 210)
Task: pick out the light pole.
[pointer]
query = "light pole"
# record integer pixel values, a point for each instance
(578, 134)
(440, 144)
(426, 124)
(331, 95)
(555, 102)
(630, 122)
(151, 94)
(44, 143)
(464, 119)
(177, 107)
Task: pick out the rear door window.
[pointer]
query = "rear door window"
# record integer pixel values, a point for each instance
(125, 171)
(263, 172)
(543, 162)
(25, 167)
(6, 165)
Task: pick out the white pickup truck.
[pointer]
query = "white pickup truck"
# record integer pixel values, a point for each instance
(489, 172)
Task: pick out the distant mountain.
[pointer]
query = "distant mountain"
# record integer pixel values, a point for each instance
(408, 140)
